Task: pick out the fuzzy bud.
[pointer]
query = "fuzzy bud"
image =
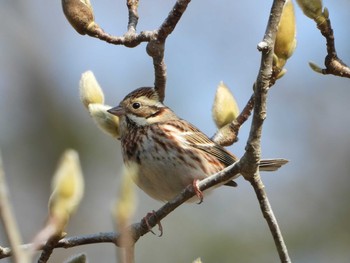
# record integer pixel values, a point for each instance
(285, 38)
(315, 67)
(225, 108)
(67, 188)
(80, 15)
(90, 90)
(126, 204)
(107, 122)
(311, 8)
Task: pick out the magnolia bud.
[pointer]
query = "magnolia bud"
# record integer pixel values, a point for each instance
(225, 108)
(285, 38)
(90, 90)
(311, 8)
(315, 67)
(79, 13)
(126, 204)
(67, 188)
(107, 122)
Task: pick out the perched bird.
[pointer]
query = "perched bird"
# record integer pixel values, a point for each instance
(169, 152)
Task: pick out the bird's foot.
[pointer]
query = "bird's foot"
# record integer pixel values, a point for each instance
(198, 192)
(160, 227)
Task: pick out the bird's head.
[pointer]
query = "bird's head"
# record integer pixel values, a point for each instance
(142, 107)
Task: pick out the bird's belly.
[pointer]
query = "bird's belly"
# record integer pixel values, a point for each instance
(164, 177)
(164, 173)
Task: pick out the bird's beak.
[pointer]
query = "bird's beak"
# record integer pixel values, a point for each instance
(118, 111)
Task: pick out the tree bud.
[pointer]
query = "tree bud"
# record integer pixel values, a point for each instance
(90, 90)
(225, 108)
(79, 13)
(126, 202)
(285, 38)
(107, 122)
(67, 188)
(311, 8)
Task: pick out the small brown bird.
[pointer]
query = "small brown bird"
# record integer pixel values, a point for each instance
(169, 152)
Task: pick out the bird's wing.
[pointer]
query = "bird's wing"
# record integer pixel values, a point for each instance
(193, 137)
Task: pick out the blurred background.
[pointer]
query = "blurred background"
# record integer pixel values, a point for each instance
(308, 122)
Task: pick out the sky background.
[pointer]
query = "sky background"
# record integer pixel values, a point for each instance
(42, 59)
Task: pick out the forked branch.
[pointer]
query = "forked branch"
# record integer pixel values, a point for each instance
(252, 155)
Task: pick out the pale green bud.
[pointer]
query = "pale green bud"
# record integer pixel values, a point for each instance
(90, 91)
(126, 203)
(225, 108)
(311, 8)
(67, 188)
(285, 39)
(107, 122)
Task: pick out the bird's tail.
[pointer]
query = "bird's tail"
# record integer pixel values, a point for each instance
(270, 165)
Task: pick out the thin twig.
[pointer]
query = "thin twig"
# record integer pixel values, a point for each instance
(9, 220)
(139, 229)
(228, 134)
(133, 15)
(334, 65)
(128, 40)
(270, 218)
(48, 249)
(156, 47)
(156, 38)
(252, 155)
(172, 19)
(160, 72)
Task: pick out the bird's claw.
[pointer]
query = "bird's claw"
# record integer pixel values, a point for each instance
(198, 192)
(160, 227)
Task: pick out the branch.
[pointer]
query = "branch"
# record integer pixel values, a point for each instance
(269, 216)
(139, 229)
(80, 15)
(133, 15)
(48, 248)
(156, 48)
(334, 65)
(228, 134)
(128, 40)
(252, 155)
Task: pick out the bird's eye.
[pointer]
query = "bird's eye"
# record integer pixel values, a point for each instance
(136, 105)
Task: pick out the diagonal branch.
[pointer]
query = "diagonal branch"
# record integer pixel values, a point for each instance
(252, 155)
(48, 249)
(173, 18)
(228, 134)
(139, 229)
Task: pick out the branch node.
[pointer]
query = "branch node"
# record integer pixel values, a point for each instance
(263, 46)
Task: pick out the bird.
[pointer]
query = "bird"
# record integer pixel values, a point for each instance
(169, 152)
